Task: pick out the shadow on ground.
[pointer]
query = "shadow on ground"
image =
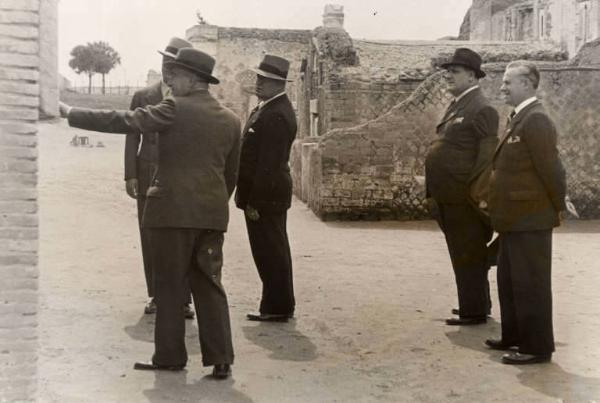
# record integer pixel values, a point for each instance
(171, 387)
(143, 330)
(283, 340)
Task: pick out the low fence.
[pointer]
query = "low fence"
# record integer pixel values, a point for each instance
(108, 90)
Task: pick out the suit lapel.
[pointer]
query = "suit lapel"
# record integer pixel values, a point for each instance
(513, 123)
(456, 108)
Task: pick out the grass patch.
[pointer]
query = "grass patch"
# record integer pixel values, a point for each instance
(95, 101)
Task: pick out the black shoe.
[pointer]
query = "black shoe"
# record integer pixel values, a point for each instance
(150, 307)
(456, 311)
(150, 366)
(524, 359)
(465, 321)
(268, 317)
(496, 344)
(221, 371)
(188, 312)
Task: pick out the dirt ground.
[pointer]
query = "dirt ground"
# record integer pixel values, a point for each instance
(371, 299)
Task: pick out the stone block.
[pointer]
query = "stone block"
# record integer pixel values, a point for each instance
(19, 87)
(20, 5)
(19, 60)
(19, 17)
(19, 31)
(20, 100)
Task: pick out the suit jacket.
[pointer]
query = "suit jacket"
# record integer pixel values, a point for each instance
(198, 157)
(467, 138)
(528, 185)
(148, 151)
(264, 180)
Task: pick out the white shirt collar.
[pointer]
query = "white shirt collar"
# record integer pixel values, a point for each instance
(465, 92)
(262, 104)
(523, 104)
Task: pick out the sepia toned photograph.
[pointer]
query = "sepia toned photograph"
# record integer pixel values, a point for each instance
(299, 201)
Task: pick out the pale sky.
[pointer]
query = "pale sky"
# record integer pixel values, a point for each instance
(137, 28)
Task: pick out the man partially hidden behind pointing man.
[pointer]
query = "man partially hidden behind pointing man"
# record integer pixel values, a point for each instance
(186, 210)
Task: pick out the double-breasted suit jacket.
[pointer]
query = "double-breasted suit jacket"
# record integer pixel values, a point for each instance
(467, 138)
(468, 134)
(264, 180)
(528, 184)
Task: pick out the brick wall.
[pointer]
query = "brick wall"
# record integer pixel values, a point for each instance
(369, 171)
(19, 104)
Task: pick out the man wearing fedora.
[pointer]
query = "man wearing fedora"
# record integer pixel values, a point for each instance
(527, 196)
(467, 136)
(141, 155)
(264, 188)
(186, 210)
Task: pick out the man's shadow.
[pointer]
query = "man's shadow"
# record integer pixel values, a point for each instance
(174, 387)
(553, 381)
(549, 379)
(143, 330)
(283, 340)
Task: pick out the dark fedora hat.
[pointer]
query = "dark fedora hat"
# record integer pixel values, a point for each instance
(273, 67)
(173, 47)
(197, 62)
(467, 58)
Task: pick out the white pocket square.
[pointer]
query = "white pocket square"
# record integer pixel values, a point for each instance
(514, 139)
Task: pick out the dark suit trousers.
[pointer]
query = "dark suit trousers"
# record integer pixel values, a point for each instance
(271, 253)
(145, 172)
(183, 256)
(467, 236)
(524, 289)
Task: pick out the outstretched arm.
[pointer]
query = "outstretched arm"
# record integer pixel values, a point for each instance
(152, 118)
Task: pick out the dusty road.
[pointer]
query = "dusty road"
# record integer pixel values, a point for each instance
(371, 302)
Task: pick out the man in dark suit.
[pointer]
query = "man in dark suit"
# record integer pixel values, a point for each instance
(527, 196)
(264, 188)
(186, 209)
(141, 156)
(467, 136)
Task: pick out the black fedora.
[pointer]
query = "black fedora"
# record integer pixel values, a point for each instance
(273, 67)
(467, 58)
(197, 62)
(173, 47)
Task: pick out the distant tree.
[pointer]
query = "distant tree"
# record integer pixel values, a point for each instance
(82, 61)
(95, 57)
(106, 59)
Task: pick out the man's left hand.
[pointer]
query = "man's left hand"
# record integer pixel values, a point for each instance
(63, 109)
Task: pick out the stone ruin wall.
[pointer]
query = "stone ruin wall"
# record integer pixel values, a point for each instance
(238, 49)
(368, 171)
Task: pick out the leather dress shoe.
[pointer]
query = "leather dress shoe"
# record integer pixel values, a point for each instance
(150, 366)
(188, 312)
(465, 321)
(150, 307)
(496, 344)
(524, 359)
(221, 371)
(456, 311)
(268, 317)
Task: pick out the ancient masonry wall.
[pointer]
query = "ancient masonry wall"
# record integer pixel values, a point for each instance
(20, 96)
(370, 171)
(239, 49)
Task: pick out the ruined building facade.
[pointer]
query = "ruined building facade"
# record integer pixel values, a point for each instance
(569, 23)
